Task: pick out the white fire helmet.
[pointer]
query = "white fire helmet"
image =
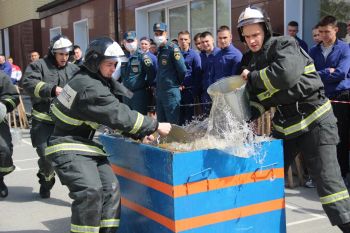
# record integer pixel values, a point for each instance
(253, 15)
(60, 44)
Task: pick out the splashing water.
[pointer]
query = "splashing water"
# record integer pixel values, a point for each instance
(222, 131)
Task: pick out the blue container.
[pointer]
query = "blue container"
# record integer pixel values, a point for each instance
(202, 191)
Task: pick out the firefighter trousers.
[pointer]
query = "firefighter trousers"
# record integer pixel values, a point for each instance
(318, 148)
(6, 150)
(94, 189)
(40, 133)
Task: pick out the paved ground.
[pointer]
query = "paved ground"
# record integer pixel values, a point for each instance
(24, 211)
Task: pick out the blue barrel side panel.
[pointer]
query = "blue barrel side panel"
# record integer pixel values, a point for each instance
(157, 186)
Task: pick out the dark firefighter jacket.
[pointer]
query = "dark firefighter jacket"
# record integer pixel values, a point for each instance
(8, 93)
(283, 76)
(40, 80)
(87, 101)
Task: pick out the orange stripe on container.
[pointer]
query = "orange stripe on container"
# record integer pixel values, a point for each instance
(223, 216)
(225, 182)
(208, 219)
(199, 186)
(144, 180)
(167, 222)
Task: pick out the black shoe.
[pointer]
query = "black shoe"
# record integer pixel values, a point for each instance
(3, 188)
(44, 192)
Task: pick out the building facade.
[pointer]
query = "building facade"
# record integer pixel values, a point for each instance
(35, 22)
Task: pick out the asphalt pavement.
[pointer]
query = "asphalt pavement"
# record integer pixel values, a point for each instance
(24, 211)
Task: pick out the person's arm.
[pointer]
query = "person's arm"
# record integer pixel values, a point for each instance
(284, 71)
(33, 84)
(236, 62)
(196, 74)
(101, 106)
(340, 72)
(179, 63)
(149, 68)
(7, 68)
(8, 93)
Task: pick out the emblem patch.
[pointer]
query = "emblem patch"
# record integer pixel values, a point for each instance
(177, 56)
(164, 62)
(67, 96)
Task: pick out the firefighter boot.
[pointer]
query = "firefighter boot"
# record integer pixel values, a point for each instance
(45, 187)
(345, 227)
(3, 188)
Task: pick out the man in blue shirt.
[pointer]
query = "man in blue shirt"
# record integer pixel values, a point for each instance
(5, 65)
(293, 29)
(228, 60)
(208, 54)
(170, 75)
(332, 61)
(137, 74)
(190, 86)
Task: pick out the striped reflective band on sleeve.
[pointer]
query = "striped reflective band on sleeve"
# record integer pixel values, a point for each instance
(73, 147)
(71, 121)
(7, 169)
(334, 197)
(270, 90)
(84, 229)
(309, 69)
(11, 102)
(66, 119)
(41, 116)
(258, 106)
(137, 124)
(37, 89)
(110, 223)
(305, 122)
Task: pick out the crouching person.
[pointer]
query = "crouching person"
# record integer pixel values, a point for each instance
(87, 101)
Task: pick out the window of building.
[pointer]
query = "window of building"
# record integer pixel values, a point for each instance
(81, 34)
(54, 32)
(195, 16)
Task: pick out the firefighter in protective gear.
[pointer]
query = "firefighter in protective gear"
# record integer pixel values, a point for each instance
(87, 101)
(8, 101)
(44, 80)
(280, 74)
(137, 73)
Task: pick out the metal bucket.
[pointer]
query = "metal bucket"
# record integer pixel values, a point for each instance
(233, 89)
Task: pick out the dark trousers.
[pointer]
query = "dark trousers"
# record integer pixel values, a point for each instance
(342, 113)
(40, 133)
(168, 105)
(187, 108)
(6, 150)
(94, 189)
(318, 148)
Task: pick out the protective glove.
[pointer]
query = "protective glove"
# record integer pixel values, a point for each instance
(3, 112)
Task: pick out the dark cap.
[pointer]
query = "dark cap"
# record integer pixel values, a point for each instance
(145, 38)
(159, 27)
(130, 35)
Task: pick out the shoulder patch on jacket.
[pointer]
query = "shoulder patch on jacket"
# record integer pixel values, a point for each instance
(177, 53)
(147, 60)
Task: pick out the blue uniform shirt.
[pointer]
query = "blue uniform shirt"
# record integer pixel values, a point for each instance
(339, 58)
(194, 69)
(302, 44)
(155, 65)
(227, 63)
(7, 68)
(208, 72)
(171, 67)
